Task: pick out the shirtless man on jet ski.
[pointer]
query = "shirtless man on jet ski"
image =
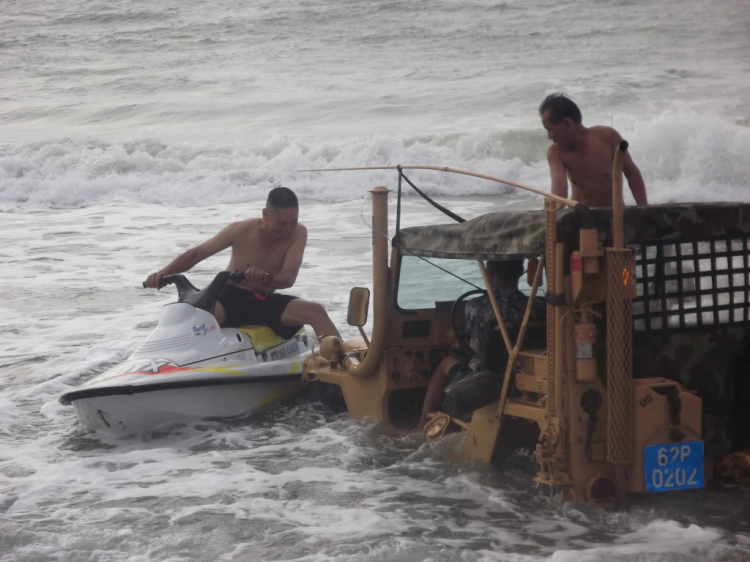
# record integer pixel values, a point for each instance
(269, 250)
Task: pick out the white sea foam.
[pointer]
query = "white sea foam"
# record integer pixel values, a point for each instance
(294, 482)
(660, 540)
(683, 156)
(132, 132)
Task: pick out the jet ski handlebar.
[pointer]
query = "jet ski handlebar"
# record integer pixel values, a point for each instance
(235, 276)
(204, 299)
(179, 279)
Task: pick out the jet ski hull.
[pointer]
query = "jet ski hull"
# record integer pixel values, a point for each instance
(134, 409)
(190, 368)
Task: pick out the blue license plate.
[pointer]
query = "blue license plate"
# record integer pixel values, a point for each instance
(677, 466)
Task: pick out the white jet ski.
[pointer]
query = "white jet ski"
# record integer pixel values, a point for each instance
(189, 368)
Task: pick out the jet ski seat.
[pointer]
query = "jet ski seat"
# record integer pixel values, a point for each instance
(264, 338)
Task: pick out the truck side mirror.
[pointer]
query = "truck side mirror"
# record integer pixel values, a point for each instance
(359, 303)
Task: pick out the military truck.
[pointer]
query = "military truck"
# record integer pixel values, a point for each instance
(638, 380)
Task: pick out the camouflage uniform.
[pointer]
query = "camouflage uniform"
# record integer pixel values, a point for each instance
(479, 314)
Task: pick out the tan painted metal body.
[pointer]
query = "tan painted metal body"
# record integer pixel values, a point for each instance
(588, 437)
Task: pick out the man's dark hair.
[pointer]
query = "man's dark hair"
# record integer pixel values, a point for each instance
(559, 107)
(507, 270)
(282, 198)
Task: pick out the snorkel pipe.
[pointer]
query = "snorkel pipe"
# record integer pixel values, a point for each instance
(621, 289)
(380, 287)
(618, 204)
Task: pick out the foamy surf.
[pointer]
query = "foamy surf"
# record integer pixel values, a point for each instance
(130, 132)
(682, 155)
(295, 482)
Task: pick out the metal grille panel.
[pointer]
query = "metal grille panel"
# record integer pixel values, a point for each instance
(690, 284)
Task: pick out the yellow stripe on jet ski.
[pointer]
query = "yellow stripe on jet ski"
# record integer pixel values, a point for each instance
(263, 337)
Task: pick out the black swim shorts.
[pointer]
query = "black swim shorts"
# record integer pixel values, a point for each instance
(242, 307)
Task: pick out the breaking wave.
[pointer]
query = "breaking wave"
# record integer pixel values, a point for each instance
(683, 156)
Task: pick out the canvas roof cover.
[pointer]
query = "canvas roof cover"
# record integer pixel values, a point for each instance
(521, 234)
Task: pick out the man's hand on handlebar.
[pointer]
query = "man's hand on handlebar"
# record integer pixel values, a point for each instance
(258, 281)
(255, 276)
(154, 281)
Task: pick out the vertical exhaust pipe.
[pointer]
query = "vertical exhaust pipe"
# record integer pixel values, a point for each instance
(379, 284)
(620, 292)
(618, 203)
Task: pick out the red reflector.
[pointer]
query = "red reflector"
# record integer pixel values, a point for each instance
(575, 264)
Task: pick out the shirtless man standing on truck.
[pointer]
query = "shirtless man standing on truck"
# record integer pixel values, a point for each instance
(269, 250)
(584, 155)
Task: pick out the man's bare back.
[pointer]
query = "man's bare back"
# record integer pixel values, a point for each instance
(589, 166)
(584, 156)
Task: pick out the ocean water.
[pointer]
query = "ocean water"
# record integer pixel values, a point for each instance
(133, 130)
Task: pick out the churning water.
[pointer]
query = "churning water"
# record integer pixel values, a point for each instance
(133, 130)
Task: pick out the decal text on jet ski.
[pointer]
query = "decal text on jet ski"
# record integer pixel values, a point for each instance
(288, 349)
(202, 330)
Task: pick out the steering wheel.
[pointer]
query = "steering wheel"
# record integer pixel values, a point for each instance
(462, 337)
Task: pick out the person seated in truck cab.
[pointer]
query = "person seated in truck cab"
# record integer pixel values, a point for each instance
(478, 316)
